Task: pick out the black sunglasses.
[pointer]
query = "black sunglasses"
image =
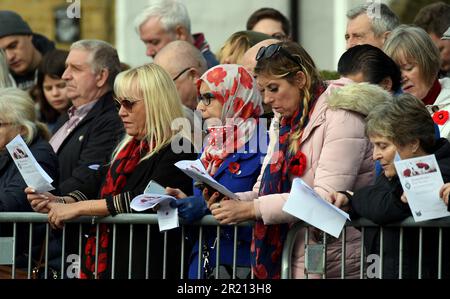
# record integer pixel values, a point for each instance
(206, 98)
(181, 73)
(272, 50)
(126, 103)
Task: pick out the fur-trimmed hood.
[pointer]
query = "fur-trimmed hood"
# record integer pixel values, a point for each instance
(358, 97)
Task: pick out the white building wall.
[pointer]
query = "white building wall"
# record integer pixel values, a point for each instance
(322, 25)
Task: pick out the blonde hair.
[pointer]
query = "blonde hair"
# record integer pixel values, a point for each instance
(162, 104)
(17, 108)
(414, 45)
(280, 67)
(237, 44)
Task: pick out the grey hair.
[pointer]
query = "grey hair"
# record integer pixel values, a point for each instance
(402, 120)
(171, 13)
(387, 21)
(17, 107)
(5, 79)
(414, 45)
(103, 56)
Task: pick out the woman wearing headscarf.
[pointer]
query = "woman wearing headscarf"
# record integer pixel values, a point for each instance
(230, 104)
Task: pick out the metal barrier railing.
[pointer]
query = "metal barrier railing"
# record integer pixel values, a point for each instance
(8, 244)
(363, 224)
(123, 219)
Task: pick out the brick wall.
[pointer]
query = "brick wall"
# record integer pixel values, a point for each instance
(97, 17)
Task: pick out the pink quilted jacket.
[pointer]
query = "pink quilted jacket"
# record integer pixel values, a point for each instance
(339, 157)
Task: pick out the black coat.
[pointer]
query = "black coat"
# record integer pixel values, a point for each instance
(90, 144)
(14, 199)
(12, 185)
(381, 204)
(160, 168)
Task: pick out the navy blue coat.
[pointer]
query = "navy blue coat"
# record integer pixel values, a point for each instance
(12, 185)
(241, 181)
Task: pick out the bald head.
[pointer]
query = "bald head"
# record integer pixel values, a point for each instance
(185, 64)
(179, 55)
(249, 58)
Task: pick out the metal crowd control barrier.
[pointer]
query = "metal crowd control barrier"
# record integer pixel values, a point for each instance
(362, 224)
(8, 244)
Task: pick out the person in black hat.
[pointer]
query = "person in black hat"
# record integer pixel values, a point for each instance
(24, 49)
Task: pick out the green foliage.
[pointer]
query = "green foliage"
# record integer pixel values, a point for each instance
(329, 75)
(407, 9)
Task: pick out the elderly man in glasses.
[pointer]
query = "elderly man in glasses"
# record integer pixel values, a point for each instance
(185, 64)
(87, 134)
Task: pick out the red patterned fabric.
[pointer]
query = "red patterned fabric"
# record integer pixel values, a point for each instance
(268, 240)
(237, 91)
(116, 179)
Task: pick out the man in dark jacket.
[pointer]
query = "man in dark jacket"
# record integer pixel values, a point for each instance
(86, 136)
(24, 49)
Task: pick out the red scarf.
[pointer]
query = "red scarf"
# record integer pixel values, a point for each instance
(433, 93)
(122, 166)
(268, 240)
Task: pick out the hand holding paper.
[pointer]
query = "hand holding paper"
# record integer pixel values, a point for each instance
(154, 195)
(32, 173)
(305, 204)
(195, 170)
(421, 180)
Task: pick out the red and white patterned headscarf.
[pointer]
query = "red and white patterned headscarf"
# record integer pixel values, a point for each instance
(238, 93)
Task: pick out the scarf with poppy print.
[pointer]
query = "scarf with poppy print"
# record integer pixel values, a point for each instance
(241, 103)
(268, 240)
(116, 179)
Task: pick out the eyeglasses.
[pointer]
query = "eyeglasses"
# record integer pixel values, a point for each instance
(181, 73)
(126, 103)
(206, 98)
(272, 50)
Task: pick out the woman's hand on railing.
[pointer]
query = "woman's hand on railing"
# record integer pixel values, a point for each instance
(233, 211)
(40, 201)
(59, 212)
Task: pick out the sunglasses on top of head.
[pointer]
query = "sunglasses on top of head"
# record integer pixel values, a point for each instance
(271, 50)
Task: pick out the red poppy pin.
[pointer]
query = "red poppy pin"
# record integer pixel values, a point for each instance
(234, 167)
(441, 117)
(297, 164)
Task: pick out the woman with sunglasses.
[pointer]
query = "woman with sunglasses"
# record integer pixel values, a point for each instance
(149, 104)
(320, 139)
(230, 105)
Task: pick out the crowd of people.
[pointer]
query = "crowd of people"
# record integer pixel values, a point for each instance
(259, 114)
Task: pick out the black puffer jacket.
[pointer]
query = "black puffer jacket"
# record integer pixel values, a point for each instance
(381, 204)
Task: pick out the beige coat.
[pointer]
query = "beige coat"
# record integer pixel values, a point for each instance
(339, 157)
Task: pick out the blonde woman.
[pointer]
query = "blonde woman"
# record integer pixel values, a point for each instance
(320, 139)
(234, 48)
(149, 103)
